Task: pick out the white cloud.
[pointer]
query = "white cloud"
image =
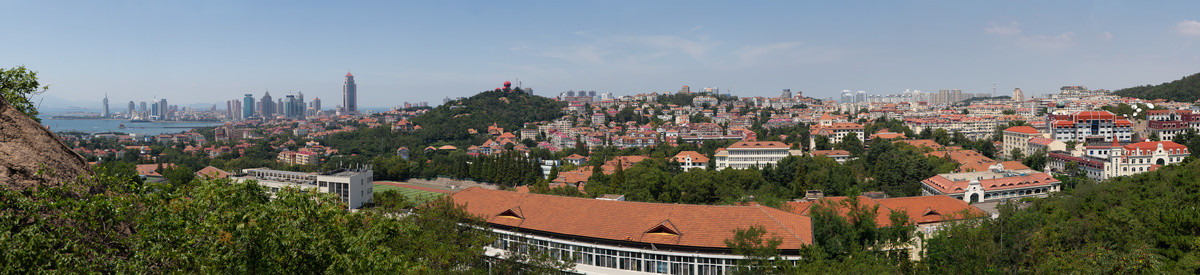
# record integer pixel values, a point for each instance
(1044, 42)
(1188, 28)
(1106, 36)
(1010, 29)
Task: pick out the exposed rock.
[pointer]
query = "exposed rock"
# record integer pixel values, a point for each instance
(30, 154)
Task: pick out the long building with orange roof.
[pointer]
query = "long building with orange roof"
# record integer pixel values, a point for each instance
(621, 237)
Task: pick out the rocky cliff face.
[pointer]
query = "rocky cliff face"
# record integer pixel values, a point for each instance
(30, 154)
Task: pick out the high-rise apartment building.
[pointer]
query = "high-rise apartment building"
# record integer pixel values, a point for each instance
(350, 95)
(1018, 95)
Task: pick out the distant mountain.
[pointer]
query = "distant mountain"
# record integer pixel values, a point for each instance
(1186, 89)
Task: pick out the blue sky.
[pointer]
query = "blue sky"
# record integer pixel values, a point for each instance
(211, 51)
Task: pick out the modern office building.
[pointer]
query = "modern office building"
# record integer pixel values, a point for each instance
(106, 114)
(132, 108)
(353, 186)
(350, 95)
(248, 106)
(267, 106)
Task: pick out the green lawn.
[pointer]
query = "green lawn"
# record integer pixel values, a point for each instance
(418, 196)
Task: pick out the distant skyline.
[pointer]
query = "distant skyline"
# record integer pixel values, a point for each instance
(213, 51)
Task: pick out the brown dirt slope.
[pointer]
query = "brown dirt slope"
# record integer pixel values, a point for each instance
(27, 147)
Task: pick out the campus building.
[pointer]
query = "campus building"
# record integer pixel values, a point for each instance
(620, 237)
(743, 154)
(1089, 125)
(353, 186)
(1101, 161)
(995, 184)
(1018, 137)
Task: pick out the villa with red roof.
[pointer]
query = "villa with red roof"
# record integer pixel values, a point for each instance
(689, 160)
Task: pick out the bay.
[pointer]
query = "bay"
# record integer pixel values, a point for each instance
(113, 125)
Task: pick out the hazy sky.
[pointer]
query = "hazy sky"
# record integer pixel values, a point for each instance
(211, 51)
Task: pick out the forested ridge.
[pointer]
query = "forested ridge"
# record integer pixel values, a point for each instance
(1186, 89)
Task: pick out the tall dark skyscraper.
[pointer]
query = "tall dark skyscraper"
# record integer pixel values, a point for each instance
(268, 106)
(350, 95)
(106, 114)
(132, 108)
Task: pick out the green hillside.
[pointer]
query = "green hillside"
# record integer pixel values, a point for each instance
(1186, 89)
(509, 110)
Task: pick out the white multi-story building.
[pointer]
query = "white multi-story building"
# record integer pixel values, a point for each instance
(352, 186)
(995, 184)
(1082, 125)
(744, 154)
(1101, 162)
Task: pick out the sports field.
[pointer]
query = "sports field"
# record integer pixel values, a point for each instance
(419, 196)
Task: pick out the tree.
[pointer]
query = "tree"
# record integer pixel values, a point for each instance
(757, 249)
(17, 85)
(1016, 154)
(821, 142)
(851, 143)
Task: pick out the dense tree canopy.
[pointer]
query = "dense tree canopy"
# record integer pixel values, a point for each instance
(1186, 89)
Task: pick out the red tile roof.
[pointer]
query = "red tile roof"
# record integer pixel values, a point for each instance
(947, 186)
(702, 226)
(696, 157)
(759, 144)
(921, 209)
(1022, 129)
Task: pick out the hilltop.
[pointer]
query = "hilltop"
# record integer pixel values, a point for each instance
(1186, 89)
(508, 110)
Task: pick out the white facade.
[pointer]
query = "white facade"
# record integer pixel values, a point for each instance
(352, 187)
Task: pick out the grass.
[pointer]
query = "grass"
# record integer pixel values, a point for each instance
(419, 196)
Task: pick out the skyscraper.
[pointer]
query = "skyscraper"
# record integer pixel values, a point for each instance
(248, 106)
(350, 95)
(316, 105)
(162, 109)
(1018, 95)
(142, 108)
(132, 108)
(106, 114)
(268, 105)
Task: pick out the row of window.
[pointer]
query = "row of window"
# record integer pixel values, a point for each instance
(616, 259)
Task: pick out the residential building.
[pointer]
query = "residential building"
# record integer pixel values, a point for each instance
(689, 160)
(1017, 138)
